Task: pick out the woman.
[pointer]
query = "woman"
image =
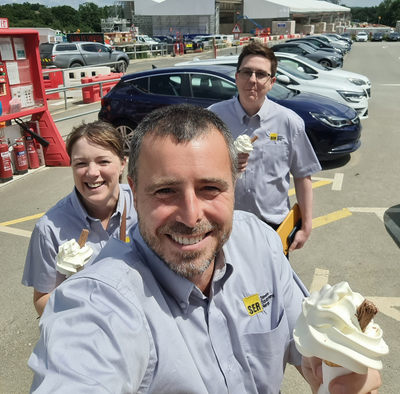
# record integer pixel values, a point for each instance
(97, 203)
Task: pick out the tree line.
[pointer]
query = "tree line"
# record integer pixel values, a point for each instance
(386, 13)
(87, 18)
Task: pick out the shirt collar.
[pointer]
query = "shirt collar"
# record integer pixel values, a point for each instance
(176, 286)
(261, 114)
(81, 211)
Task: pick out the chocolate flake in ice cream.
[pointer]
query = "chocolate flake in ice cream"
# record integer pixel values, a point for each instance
(72, 255)
(328, 328)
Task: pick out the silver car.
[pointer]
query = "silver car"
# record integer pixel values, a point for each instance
(81, 53)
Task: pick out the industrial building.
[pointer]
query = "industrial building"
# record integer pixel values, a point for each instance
(166, 17)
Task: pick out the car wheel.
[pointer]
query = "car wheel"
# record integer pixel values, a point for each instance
(121, 67)
(126, 129)
(75, 64)
(325, 62)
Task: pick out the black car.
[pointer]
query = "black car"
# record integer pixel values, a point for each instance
(393, 36)
(334, 129)
(318, 42)
(377, 37)
(327, 59)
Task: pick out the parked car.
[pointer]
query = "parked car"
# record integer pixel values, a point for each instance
(342, 91)
(339, 37)
(327, 59)
(343, 45)
(146, 40)
(377, 36)
(393, 36)
(361, 36)
(319, 43)
(334, 129)
(81, 53)
(353, 96)
(313, 68)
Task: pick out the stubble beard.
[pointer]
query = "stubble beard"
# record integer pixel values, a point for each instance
(186, 264)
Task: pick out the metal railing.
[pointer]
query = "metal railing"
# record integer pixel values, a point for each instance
(64, 89)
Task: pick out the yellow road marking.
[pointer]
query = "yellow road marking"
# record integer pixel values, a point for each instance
(25, 219)
(292, 192)
(331, 217)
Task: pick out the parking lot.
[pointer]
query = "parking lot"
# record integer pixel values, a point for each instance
(356, 235)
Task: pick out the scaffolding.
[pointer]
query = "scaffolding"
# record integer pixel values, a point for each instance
(160, 25)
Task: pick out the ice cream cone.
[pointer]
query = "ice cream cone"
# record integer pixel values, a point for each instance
(330, 371)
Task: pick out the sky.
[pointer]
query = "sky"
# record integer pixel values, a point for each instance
(102, 3)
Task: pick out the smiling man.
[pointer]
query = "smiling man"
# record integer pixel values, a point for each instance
(282, 147)
(201, 301)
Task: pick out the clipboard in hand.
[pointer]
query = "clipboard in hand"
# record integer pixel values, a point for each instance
(288, 228)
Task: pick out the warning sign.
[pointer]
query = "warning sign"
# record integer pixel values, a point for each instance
(237, 29)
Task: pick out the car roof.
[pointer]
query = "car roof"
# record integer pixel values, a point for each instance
(221, 70)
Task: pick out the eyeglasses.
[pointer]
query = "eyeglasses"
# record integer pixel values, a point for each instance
(260, 75)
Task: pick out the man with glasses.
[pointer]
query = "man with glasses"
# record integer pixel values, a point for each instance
(282, 146)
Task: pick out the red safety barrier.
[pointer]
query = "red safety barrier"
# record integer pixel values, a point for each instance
(52, 81)
(91, 94)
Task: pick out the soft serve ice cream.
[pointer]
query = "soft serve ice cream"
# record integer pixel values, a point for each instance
(72, 255)
(328, 328)
(244, 144)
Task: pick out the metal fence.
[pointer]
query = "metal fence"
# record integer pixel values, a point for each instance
(162, 51)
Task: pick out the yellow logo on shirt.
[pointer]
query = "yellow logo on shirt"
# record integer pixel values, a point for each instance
(253, 304)
(273, 137)
(127, 240)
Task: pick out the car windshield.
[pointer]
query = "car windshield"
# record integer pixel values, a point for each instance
(296, 73)
(279, 92)
(312, 63)
(362, 34)
(309, 47)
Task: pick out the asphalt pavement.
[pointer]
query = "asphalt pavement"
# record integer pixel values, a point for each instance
(356, 234)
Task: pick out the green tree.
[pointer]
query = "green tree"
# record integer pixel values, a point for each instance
(90, 16)
(65, 15)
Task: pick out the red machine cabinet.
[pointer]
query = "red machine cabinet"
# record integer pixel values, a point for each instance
(21, 77)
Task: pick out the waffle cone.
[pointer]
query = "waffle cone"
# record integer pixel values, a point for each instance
(331, 364)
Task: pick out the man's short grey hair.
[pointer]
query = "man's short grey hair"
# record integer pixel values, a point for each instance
(184, 122)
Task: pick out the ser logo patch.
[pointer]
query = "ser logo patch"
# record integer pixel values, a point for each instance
(275, 137)
(256, 303)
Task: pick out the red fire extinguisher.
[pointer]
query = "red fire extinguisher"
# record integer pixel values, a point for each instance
(33, 158)
(6, 173)
(21, 162)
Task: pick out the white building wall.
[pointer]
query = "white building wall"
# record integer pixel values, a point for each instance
(174, 7)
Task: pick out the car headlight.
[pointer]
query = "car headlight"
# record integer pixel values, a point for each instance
(356, 81)
(332, 120)
(352, 97)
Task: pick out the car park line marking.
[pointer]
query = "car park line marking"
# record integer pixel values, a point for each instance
(320, 279)
(25, 219)
(292, 192)
(15, 231)
(392, 227)
(331, 217)
(377, 211)
(386, 305)
(390, 84)
(337, 182)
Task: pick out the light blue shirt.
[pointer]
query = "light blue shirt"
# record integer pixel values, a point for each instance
(128, 324)
(61, 223)
(282, 148)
